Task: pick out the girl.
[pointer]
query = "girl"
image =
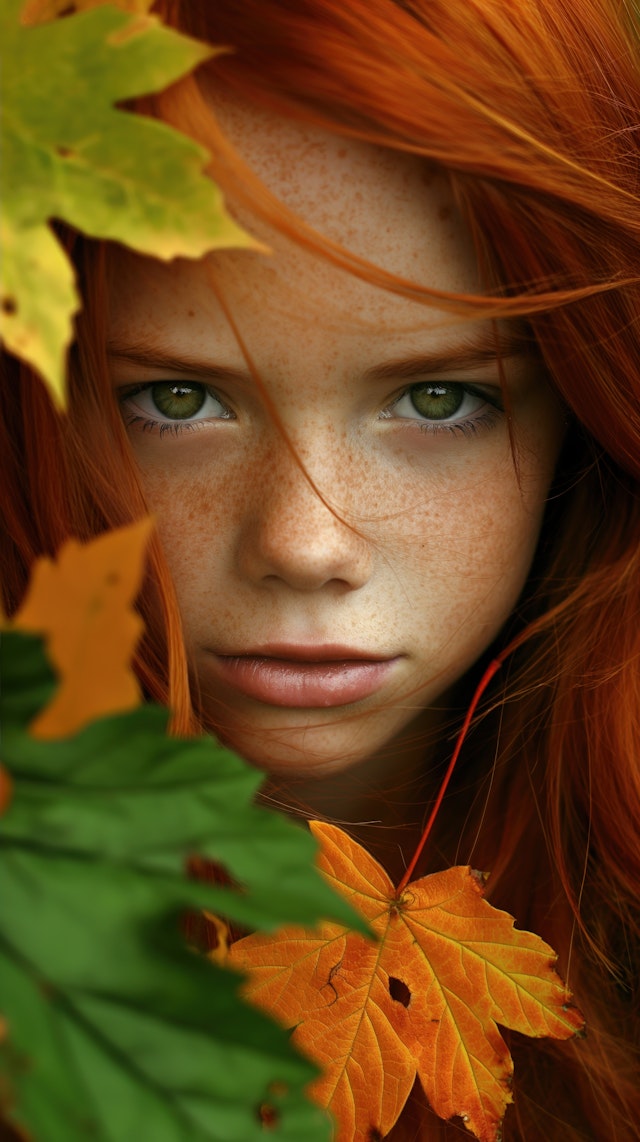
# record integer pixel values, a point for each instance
(400, 440)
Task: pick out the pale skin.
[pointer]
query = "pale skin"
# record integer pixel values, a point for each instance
(420, 541)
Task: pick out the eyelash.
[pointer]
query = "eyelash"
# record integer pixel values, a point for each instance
(162, 427)
(469, 427)
(464, 427)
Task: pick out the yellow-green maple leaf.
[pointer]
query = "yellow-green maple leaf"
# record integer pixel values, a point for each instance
(70, 154)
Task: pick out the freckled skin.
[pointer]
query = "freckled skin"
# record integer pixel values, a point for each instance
(419, 543)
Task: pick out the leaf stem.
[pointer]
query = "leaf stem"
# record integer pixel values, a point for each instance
(492, 669)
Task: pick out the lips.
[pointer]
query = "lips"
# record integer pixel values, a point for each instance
(311, 677)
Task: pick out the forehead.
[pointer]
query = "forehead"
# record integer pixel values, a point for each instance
(389, 208)
(386, 206)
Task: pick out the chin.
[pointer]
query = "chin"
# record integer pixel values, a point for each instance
(311, 751)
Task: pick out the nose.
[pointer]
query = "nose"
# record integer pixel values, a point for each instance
(292, 535)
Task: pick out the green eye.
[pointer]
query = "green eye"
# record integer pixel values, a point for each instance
(178, 400)
(436, 400)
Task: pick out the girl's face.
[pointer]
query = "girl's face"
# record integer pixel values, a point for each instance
(348, 532)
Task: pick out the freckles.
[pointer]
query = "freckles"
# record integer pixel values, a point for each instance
(477, 532)
(369, 501)
(189, 514)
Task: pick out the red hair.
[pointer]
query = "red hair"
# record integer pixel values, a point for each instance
(533, 109)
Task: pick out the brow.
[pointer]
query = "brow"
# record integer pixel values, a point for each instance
(474, 353)
(153, 356)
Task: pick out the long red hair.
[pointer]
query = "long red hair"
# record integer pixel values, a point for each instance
(533, 108)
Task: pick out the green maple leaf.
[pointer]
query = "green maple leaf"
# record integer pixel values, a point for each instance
(115, 1029)
(70, 154)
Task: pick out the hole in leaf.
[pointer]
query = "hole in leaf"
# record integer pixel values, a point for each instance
(9, 306)
(268, 1115)
(199, 931)
(6, 791)
(9, 1134)
(208, 871)
(399, 991)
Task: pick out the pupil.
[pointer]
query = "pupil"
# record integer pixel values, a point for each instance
(437, 401)
(177, 399)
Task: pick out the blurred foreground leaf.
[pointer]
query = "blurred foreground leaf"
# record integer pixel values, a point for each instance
(115, 1030)
(70, 154)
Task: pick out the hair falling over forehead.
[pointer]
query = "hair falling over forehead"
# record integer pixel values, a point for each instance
(533, 110)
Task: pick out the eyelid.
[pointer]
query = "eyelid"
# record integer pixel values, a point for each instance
(492, 394)
(489, 392)
(131, 388)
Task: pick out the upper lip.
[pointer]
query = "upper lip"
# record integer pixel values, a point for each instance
(308, 652)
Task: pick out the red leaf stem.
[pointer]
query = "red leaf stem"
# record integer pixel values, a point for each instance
(492, 669)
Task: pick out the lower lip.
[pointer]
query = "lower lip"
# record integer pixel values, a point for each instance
(310, 685)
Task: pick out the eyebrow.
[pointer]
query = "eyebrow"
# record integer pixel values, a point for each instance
(153, 356)
(475, 352)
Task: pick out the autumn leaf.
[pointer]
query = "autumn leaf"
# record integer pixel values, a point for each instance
(70, 154)
(82, 604)
(424, 999)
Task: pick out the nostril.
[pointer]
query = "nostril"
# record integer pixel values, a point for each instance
(301, 542)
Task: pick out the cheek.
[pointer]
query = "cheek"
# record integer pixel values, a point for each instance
(463, 558)
(486, 510)
(193, 513)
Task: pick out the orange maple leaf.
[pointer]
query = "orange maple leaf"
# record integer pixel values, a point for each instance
(81, 604)
(424, 999)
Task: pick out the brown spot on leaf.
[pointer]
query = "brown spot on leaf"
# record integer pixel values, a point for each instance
(278, 1088)
(9, 305)
(268, 1115)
